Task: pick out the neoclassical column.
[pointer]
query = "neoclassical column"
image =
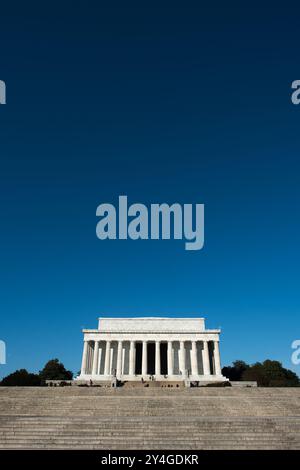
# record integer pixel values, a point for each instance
(89, 358)
(107, 358)
(144, 358)
(84, 358)
(170, 358)
(157, 358)
(131, 358)
(194, 365)
(119, 360)
(95, 358)
(206, 365)
(182, 358)
(217, 358)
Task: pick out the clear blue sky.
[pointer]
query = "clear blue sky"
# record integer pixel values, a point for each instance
(164, 104)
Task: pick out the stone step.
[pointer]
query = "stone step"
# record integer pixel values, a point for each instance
(197, 420)
(282, 437)
(92, 418)
(153, 438)
(94, 391)
(18, 420)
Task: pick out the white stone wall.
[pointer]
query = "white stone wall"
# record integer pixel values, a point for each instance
(151, 324)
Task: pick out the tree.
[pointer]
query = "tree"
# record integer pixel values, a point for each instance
(266, 374)
(271, 374)
(235, 372)
(55, 370)
(21, 378)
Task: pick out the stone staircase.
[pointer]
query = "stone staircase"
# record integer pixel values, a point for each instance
(149, 418)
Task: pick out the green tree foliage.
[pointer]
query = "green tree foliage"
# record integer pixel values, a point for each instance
(271, 374)
(266, 374)
(235, 371)
(21, 378)
(55, 370)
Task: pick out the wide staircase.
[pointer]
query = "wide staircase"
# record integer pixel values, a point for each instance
(149, 418)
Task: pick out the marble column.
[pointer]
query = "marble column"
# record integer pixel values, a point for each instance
(194, 365)
(182, 358)
(107, 370)
(84, 358)
(206, 364)
(95, 358)
(144, 358)
(89, 358)
(132, 358)
(157, 358)
(217, 358)
(119, 360)
(170, 358)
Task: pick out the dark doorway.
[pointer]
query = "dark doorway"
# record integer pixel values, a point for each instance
(163, 358)
(211, 357)
(138, 358)
(151, 358)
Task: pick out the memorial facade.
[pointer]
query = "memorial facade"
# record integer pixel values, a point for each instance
(162, 349)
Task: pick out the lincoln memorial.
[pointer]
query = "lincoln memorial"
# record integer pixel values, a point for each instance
(151, 348)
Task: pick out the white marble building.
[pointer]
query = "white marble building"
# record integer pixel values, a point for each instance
(169, 349)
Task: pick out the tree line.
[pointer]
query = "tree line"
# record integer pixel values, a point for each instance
(53, 370)
(267, 374)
